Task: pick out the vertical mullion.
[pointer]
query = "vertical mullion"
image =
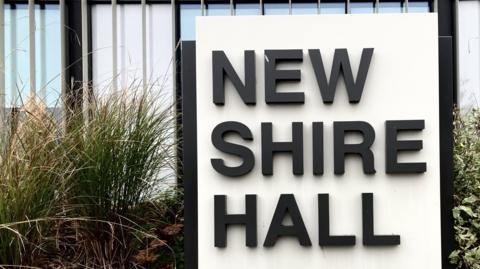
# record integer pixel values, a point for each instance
(202, 7)
(2, 64)
(85, 78)
(31, 46)
(144, 44)
(405, 3)
(63, 50)
(63, 64)
(347, 7)
(13, 43)
(43, 52)
(74, 57)
(232, 13)
(114, 46)
(289, 7)
(262, 11)
(377, 6)
(174, 47)
(318, 6)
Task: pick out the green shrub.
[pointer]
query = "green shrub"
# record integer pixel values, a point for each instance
(99, 195)
(466, 212)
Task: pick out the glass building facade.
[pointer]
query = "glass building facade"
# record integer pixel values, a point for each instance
(188, 11)
(47, 56)
(148, 34)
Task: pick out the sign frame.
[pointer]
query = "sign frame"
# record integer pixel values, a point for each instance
(188, 148)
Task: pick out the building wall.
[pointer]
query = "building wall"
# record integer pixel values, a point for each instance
(16, 54)
(129, 53)
(160, 34)
(469, 54)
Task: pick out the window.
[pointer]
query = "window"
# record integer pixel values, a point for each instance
(390, 7)
(188, 12)
(218, 9)
(304, 8)
(47, 54)
(418, 7)
(129, 59)
(361, 7)
(247, 9)
(276, 9)
(332, 8)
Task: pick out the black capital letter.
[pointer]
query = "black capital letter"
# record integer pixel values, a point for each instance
(324, 237)
(287, 205)
(222, 68)
(269, 148)
(273, 75)
(340, 128)
(393, 146)
(222, 220)
(369, 237)
(341, 65)
(218, 135)
(317, 137)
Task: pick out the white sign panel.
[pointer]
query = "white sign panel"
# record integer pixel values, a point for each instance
(318, 142)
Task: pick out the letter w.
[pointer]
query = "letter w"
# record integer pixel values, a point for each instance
(341, 65)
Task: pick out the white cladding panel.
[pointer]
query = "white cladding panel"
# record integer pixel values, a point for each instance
(469, 54)
(402, 83)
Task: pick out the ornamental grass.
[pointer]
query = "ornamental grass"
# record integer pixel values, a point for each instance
(94, 189)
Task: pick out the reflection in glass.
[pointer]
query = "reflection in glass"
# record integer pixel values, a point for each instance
(188, 12)
(304, 8)
(247, 9)
(218, 9)
(361, 7)
(276, 9)
(332, 8)
(390, 7)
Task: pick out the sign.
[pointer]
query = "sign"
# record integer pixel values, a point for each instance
(318, 142)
